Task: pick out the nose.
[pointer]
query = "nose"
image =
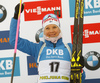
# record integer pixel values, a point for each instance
(51, 30)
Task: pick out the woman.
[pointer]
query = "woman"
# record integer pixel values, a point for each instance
(54, 59)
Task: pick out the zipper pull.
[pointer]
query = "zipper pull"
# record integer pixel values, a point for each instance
(54, 45)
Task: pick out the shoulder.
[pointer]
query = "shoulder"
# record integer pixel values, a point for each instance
(36, 45)
(40, 43)
(70, 45)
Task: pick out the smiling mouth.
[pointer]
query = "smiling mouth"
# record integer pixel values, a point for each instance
(52, 35)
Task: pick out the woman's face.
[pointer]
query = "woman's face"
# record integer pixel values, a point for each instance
(51, 30)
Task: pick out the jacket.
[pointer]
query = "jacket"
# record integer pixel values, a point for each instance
(53, 55)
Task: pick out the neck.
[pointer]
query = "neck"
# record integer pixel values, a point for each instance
(53, 39)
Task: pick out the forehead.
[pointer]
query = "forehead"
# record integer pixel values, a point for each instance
(51, 25)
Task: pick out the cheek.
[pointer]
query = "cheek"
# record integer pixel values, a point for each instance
(46, 33)
(58, 31)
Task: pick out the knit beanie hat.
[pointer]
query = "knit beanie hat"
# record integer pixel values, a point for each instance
(50, 19)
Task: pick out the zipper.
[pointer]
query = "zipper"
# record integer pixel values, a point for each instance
(54, 45)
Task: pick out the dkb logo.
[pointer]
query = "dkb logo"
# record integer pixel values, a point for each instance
(91, 7)
(54, 52)
(6, 67)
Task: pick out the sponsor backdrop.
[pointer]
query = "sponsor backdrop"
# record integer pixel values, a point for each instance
(31, 29)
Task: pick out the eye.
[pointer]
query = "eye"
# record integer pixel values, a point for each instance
(47, 28)
(54, 27)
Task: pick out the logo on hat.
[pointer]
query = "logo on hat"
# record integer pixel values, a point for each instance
(50, 19)
(49, 16)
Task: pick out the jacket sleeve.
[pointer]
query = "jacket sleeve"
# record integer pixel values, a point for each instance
(70, 45)
(23, 44)
(83, 76)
